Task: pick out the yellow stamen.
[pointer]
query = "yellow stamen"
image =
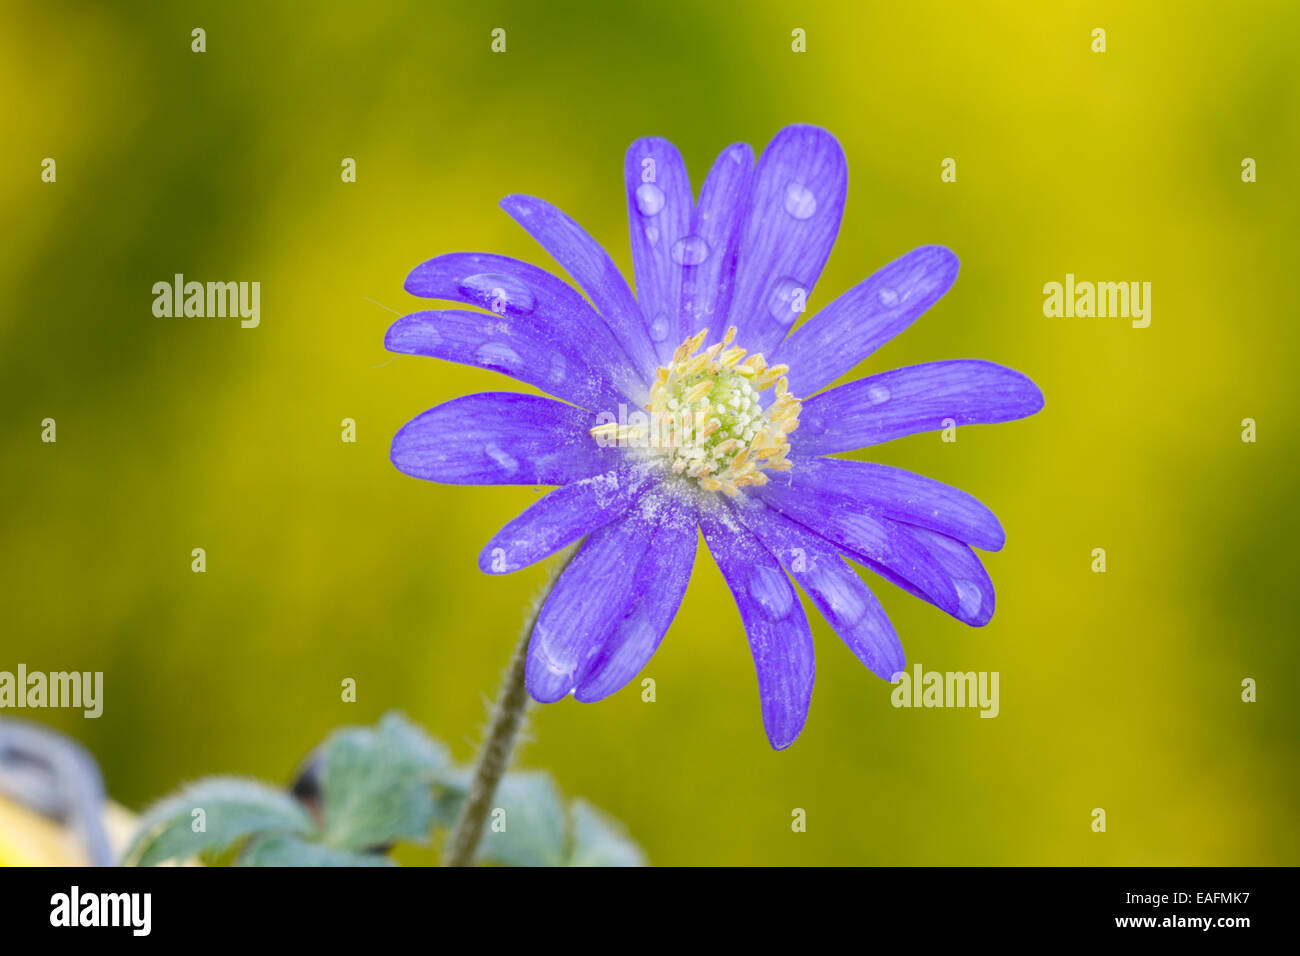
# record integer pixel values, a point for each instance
(711, 424)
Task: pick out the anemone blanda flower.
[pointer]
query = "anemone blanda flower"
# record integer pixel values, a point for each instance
(692, 404)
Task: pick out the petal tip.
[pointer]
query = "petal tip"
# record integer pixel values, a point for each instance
(398, 337)
(543, 693)
(810, 130)
(518, 205)
(416, 281)
(946, 261)
(637, 149)
(492, 563)
(997, 535)
(1036, 401)
(782, 740)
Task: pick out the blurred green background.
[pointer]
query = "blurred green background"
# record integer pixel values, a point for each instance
(1118, 690)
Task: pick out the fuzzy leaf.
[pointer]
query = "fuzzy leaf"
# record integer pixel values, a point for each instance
(377, 784)
(599, 839)
(291, 851)
(233, 808)
(450, 794)
(537, 830)
(529, 807)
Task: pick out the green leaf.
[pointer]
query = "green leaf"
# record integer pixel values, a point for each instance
(449, 796)
(291, 851)
(232, 808)
(538, 831)
(377, 784)
(527, 825)
(599, 839)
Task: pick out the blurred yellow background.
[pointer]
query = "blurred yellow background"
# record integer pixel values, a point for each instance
(1119, 690)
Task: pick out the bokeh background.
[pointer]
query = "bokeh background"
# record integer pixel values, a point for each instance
(1119, 690)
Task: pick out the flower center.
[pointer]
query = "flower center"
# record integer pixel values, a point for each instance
(707, 419)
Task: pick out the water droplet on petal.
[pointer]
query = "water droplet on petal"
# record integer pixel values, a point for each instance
(649, 199)
(846, 603)
(556, 656)
(969, 597)
(413, 335)
(559, 369)
(770, 589)
(787, 299)
(499, 357)
(637, 632)
(812, 423)
(878, 394)
(652, 235)
(659, 327)
(501, 459)
(871, 537)
(799, 200)
(690, 251)
(888, 297)
(498, 292)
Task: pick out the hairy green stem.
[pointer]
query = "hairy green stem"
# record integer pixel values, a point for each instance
(499, 742)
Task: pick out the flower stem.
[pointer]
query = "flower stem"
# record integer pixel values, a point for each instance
(499, 743)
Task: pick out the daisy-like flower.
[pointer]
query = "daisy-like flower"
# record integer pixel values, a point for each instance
(692, 404)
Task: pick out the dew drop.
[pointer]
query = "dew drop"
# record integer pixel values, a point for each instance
(638, 632)
(847, 604)
(659, 327)
(799, 200)
(498, 292)
(869, 536)
(878, 394)
(690, 251)
(501, 459)
(969, 597)
(649, 199)
(553, 653)
(498, 356)
(652, 235)
(786, 300)
(413, 336)
(771, 590)
(559, 369)
(888, 297)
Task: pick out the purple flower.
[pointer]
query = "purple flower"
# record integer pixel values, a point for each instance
(677, 408)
